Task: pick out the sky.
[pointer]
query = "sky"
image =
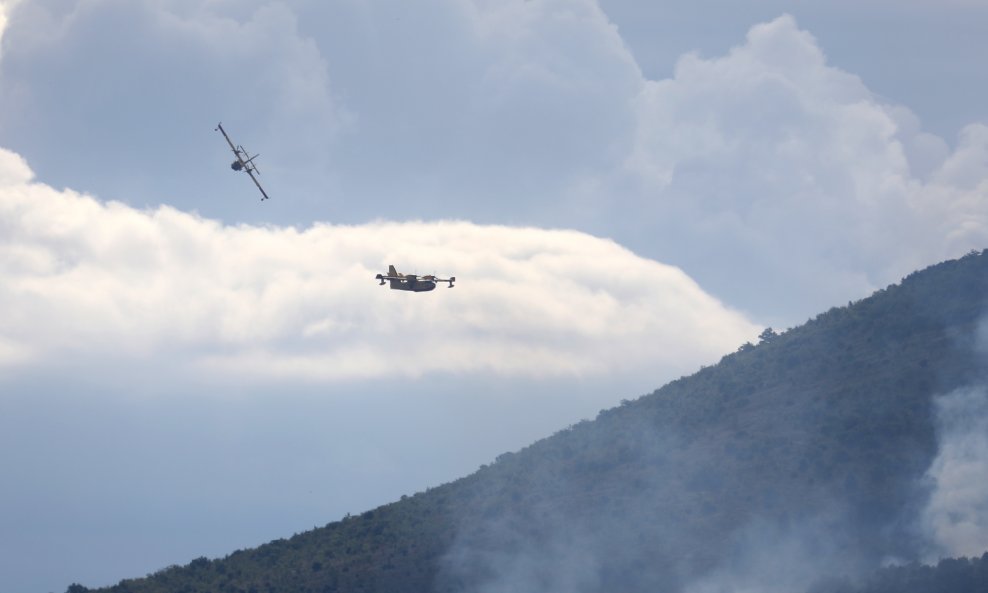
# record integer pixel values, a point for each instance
(625, 190)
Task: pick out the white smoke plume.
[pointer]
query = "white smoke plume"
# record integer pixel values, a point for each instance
(956, 517)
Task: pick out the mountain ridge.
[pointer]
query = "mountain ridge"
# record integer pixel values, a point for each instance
(811, 446)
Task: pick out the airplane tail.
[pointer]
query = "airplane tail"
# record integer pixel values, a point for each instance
(392, 271)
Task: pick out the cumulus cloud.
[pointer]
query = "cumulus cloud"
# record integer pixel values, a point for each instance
(490, 111)
(791, 171)
(779, 181)
(90, 279)
(149, 80)
(5, 7)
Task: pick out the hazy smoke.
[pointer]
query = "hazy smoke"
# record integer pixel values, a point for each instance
(637, 536)
(568, 562)
(633, 554)
(957, 515)
(770, 557)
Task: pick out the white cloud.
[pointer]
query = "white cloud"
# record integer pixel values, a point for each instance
(149, 80)
(770, 161)
(779, 181)
(88, 280)
(967, 167)
(5, 7)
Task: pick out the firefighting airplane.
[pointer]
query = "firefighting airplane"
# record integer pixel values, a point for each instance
(244, 161)
(411, 281)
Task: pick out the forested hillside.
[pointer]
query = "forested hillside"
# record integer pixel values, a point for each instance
(952, 575)
(795, 464)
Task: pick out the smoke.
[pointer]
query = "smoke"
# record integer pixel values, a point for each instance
(777, 558)
(568, 562)
(671, 520)
(553, 537)
(957, 515)
(637, 549)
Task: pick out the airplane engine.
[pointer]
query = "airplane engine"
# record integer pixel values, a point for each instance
(236, 166)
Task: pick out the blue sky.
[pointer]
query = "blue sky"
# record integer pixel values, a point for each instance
(626, 191)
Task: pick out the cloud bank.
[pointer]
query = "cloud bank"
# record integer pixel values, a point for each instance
(92, 281)
(780, 182)
(791, 173)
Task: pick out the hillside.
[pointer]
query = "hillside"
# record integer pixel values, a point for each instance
(791, 461)
(953, 575)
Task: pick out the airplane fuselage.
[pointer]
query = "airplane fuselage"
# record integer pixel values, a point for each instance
(413, 284)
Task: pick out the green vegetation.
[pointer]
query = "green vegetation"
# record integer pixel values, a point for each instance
(953, 575)
(815, 438)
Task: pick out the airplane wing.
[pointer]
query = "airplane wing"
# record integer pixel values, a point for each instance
(437, 279)
(228, 141)
(250, 171)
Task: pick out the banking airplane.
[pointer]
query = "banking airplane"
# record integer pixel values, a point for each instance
(244, 161)
(411, 281)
